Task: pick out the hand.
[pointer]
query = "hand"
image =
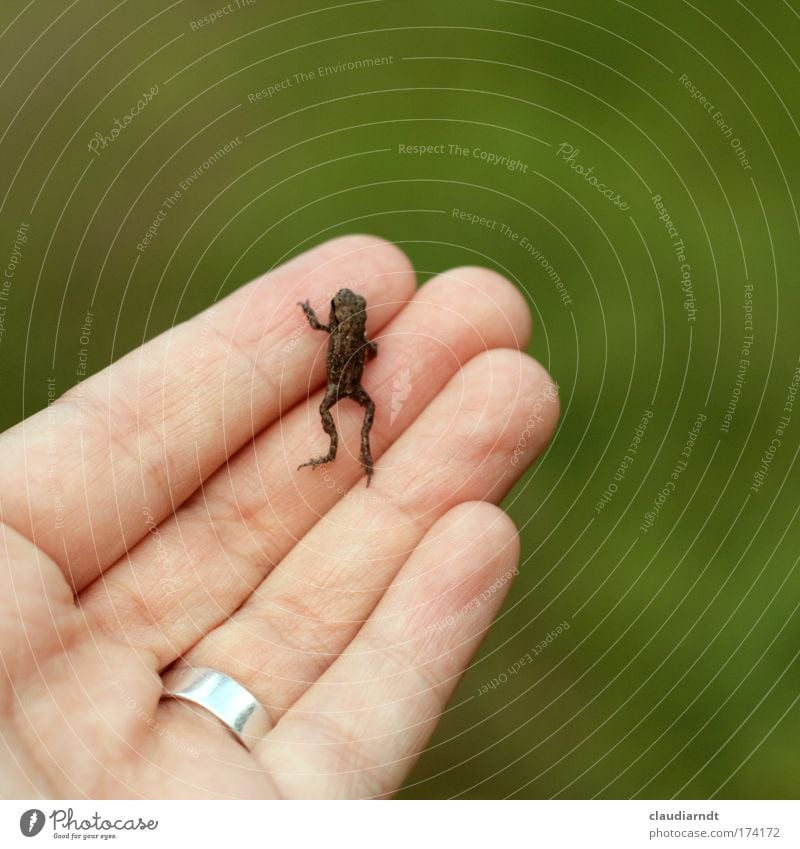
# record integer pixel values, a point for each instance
(154, 512)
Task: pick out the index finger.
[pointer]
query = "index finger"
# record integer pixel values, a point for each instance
(105, 463)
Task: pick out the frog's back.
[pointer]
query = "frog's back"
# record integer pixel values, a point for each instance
(346, 351)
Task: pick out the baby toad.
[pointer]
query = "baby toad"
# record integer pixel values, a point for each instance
(347, 348)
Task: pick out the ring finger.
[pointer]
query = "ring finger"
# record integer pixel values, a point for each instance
(459, 449)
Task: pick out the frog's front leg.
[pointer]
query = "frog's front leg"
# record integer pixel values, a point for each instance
(331, 397)
(312, 317)
(372, 349)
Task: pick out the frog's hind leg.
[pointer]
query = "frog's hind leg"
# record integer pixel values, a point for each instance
(329, 427)
(361, 397)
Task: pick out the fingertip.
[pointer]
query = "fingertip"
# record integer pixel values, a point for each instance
(482, 542)
(481, 291)
(522, 386)
(486, 522)
(379, 259)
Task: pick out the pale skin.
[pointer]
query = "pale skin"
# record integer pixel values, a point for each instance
(156, 513)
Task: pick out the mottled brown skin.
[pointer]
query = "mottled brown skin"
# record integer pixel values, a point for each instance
(347, 349)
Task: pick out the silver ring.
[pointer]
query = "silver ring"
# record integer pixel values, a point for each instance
(233, 705)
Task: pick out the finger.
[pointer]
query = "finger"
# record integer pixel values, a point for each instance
(358, 730)
(461, 448)
(203, 562)
(35, 602)
(60, 684)
(119, 452)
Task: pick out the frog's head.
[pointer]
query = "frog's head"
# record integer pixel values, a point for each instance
(346, 304)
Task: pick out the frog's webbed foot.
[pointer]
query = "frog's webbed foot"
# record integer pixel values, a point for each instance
(330, 428)
(312, 317)
(360, 396)
(319, 461)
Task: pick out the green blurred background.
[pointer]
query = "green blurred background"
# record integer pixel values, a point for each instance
(678, 675)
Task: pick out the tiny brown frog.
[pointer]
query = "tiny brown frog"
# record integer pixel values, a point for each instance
(347, 349)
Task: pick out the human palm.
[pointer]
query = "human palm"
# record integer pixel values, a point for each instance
(155, 512)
